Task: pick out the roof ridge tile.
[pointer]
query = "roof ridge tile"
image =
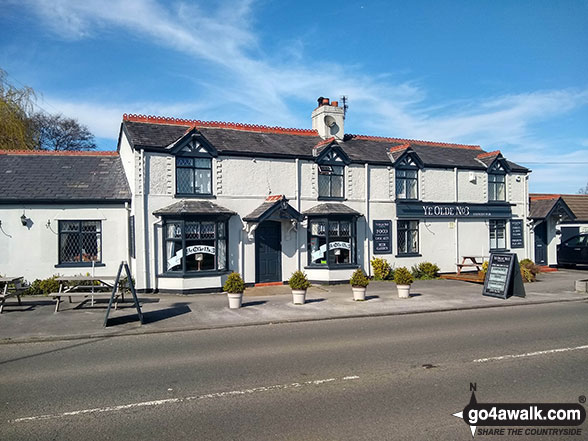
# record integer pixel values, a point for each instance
(429, 143)
(489, 154)
(218, 125)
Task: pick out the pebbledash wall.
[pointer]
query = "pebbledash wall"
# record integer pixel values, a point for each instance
(210, 198)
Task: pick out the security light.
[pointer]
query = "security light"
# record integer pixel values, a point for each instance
(24, 220)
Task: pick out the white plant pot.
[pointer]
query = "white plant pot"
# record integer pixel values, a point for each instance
(235, 300)
(358, 292)
(298, 296)
(403, 291)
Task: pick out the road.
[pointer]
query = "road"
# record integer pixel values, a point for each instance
(383, 378)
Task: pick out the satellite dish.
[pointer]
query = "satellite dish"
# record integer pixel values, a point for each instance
(330, 121)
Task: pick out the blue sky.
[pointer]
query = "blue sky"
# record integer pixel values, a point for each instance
(507, 75)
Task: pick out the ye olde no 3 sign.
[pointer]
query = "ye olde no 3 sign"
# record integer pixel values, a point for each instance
(382, 232)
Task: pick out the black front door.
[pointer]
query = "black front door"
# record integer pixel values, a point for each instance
(268, 252)
(541, 244)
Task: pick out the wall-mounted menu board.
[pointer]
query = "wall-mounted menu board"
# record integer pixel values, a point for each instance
(382, 237)
(504, 277)
(516, 234)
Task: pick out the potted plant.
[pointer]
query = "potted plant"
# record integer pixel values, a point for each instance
(403, 279)
(234, 287)
(359, 283)
(299, 283)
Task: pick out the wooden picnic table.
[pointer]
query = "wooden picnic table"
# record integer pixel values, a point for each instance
(473, 262)
(9, 287)
(86, 286)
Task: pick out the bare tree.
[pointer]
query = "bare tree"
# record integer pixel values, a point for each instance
(57, 132)
(583, 190)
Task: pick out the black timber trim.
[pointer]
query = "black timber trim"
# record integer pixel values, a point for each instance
(333, 147)
(410, 153)
(187, 139)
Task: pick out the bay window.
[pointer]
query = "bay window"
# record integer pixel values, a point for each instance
(195, 245)
(331, 241)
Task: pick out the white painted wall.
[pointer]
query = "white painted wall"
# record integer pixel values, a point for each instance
(242, 184)
(32, 251)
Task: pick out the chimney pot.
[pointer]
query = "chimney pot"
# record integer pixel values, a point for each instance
(335, 103)
(325, 101)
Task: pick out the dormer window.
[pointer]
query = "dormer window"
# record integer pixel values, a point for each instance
(193, 165)
(407, 173)
(497, 183)
(193, 176)
(331, 161)
(330, 181)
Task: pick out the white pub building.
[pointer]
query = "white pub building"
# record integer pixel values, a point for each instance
(187, 201)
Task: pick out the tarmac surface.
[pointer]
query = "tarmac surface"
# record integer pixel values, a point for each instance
(35, 320)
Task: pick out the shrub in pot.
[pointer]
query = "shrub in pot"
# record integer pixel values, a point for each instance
(298, 283)
(403, 279)
(359, 283)
(234, 287)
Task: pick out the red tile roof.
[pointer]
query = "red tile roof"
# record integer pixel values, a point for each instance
(543, 197)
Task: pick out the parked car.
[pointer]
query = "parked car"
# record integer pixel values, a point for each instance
(574, 251)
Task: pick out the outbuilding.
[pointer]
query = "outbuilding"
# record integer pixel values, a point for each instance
(556, 218)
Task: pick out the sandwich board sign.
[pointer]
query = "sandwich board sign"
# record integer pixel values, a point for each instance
(503, 278)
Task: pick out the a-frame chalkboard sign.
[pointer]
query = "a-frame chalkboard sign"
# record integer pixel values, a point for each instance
(131, 287)
(503, 278)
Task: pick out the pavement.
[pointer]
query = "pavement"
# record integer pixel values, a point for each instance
(35, 320)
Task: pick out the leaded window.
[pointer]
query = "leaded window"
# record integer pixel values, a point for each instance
(331, 242)
(408, 237)
(496, 187)
(330, 181)
(80, 242)
(193, 176)
(407, 184)
(497, 234)
(195, 245)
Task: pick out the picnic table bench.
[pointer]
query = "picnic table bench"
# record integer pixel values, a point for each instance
(470, 262)
(85, 287)
(10, 287)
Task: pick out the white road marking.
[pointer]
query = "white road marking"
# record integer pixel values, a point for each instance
(183, 399)
(530, 354)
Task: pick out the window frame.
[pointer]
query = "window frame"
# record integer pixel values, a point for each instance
(492, 226)
(330, 175)
(405, 231)
(407, 164)
(493, 186)
(352, 237)
(194, 168)
(80, 233)
(184, 272)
